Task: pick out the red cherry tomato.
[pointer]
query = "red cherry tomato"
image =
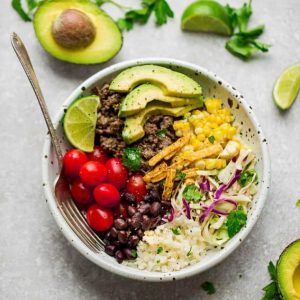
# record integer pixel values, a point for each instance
(121, 211)
(73, 161)
(100, 219)
(81, 194)
(106, 195)
(137, 186)
(117, 173)
(99, 155)
(93, 173)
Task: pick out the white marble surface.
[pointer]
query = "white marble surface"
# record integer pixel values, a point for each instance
(36, 261)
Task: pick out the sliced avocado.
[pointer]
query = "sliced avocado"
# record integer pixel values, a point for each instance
(77, 31)
(288, 272)
(134, 126)
(139, 97)
(173, 83)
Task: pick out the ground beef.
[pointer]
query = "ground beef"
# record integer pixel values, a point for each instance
(109, 128)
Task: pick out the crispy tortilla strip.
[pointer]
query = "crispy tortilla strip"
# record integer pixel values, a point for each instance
(167, 157)
(206, 152)
(190, 173)
(158, 170)
(159, 177)
(166, 195)
(166, 151)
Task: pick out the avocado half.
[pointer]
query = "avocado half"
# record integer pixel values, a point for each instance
(288, 272)
(77, 31)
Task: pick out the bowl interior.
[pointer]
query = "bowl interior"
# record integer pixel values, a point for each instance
(250, 132)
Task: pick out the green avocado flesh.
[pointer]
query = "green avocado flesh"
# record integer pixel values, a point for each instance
(139, 97)
(107, 40)
(172, 83)
(133, 128)
(288, 272)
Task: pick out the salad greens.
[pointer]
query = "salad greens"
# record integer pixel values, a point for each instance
(208, 287)
(132, 158)
(191, 193)
(271, 290)
(235, 221)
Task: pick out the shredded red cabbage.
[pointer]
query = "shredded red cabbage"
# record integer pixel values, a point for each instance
(187, 208)
(205, 186)
(171, 215)
(211, 208)
(225, 187)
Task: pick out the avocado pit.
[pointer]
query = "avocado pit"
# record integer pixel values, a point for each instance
(73, 29)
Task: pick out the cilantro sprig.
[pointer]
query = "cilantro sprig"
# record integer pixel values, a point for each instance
(162, 132)
(25, 12)
(208, 287)
(192, 194)
(246, 177)
(235, 221)
(132, 158)
(271, 291)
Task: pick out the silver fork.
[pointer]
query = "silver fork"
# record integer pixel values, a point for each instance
(63, 198)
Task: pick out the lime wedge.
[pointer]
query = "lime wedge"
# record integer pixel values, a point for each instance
(287, 87)
(207, 16)
(80, 122)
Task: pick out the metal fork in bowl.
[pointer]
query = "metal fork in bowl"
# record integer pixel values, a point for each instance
(63, 198)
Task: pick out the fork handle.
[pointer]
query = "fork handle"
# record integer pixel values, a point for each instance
(24, 59)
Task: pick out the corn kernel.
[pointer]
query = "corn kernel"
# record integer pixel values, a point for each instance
(213, 105)
(198, 130)
(200, 164)
(188, 148)
(178, 133)
(201, 137)
(212, 163)
(197, 112)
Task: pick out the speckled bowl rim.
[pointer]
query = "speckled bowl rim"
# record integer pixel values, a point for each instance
(135, 273)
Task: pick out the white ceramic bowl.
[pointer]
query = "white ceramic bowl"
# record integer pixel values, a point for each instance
(213, 86)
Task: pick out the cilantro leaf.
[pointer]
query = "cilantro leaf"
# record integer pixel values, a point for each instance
(176, 230)
(271, 290)
(235, 221)
(159, 250)
(190, 253)
(179, 175)
(162, 12)
(208, 287)
(161, 132)
(192, 193)
(272, 270)
(134, 253)
(246, 177)
(17, 5)
(211, 139)
(298, 203)
(132, 158)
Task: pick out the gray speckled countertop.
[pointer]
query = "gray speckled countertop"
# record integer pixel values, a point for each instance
(36, 261)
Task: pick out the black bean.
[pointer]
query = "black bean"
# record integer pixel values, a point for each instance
(120, 224)
(127, 253)
(129, 198)
(146, 222)
(155, 195)
(155, 222)
(144, 208)
(133, 240)
(166, 204)
(108, 236)
(113, 232)
(116, 243)
(136, 220)
(131, 210)
(155, 208)
(129, 222)
(122, 236)
(119, 256)
(110, 249)
(140, 233)
(148, 198)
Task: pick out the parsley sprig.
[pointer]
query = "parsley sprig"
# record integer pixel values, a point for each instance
(271, 290)
(235, 221)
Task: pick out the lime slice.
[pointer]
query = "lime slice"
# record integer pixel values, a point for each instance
(207, 16)
(80, 122)
(287, 87)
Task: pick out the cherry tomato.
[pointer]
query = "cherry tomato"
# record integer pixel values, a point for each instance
(99, 155)
(100, 219)
(106, 195)
(137, 186)
(73, 161)
(121, 210)
(117, 173)
(81, 194)
(93, 173)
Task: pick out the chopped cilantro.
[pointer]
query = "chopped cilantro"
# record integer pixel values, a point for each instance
(191, 193)
(159, 250)
(271, 290)
(161, 132)
(246, 177)
(235, 221)
(176, 230)
(190, 253)
(179, 175)
(133, 253)
(211, 139)
(132, 158)
(208, 287)
(298, 203)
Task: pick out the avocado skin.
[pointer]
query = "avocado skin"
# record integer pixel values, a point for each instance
(133, 128)
(93, 53)
(285, 284)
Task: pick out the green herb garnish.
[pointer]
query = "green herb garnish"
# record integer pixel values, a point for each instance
(211, 139)
(25, 13)
(246, 177)
(208, 287)
(298, 203)
(190, 253)
(134, 253)
(132, 158)
(235, 221)
(161, 132)
(159, 250)
(271, 290)
(176, 230)
(179, 175)
(191, 193)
